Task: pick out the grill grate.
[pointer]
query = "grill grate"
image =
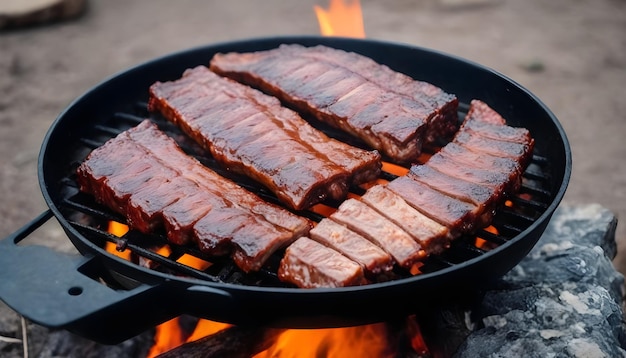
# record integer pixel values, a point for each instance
(90, 219)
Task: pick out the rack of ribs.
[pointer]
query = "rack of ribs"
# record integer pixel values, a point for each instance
(456, 192)
(144, 175)
(472, 175)
(386, 109)
(253, 134)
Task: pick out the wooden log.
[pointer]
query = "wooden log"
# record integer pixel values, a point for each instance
(21, 13)
(232, 342)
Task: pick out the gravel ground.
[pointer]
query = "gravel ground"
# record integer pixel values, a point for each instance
(571, 54)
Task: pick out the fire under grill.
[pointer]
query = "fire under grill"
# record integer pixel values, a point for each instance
(91, 219)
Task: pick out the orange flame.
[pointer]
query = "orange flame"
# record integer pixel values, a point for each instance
(484, 244)
(168, 335)
(363, 341)
(417, 340)
(205, 328)
(341, 19)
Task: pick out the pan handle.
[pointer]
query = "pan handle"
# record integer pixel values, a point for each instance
(48, 288)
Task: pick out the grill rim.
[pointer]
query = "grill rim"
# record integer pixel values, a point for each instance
(522, 242)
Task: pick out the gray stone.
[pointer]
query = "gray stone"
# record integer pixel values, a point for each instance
(563, 300)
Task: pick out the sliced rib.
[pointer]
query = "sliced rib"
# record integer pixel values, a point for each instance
(501, 181)
(253, 239)
(485, 130)
(461, 189)
(457, 215)
(475, 159)
(309, 264)
(431, 235)
(352, 245)
(452, 175)
(367, 222)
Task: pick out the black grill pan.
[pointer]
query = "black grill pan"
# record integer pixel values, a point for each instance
(69, 292)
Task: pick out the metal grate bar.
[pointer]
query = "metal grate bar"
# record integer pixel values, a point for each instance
(128, 117)
(140, 250)
(491, 237)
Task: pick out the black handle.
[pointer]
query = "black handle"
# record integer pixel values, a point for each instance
(48, 288)
(52, 289)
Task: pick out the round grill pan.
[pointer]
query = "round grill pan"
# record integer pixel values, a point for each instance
(68, 292)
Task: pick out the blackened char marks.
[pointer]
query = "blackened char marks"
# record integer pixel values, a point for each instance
(387, 110)
(251, 133)
(176, 191)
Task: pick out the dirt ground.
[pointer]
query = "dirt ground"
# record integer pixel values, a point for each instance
(570, 53)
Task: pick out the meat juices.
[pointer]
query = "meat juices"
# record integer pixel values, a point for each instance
(251, 133)
(388, 110)
(145, 176)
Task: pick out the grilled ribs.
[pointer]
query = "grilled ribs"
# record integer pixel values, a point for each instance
(145, 176)
(461, 185)
(389, 111)
(455, 192)
(251, 133)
